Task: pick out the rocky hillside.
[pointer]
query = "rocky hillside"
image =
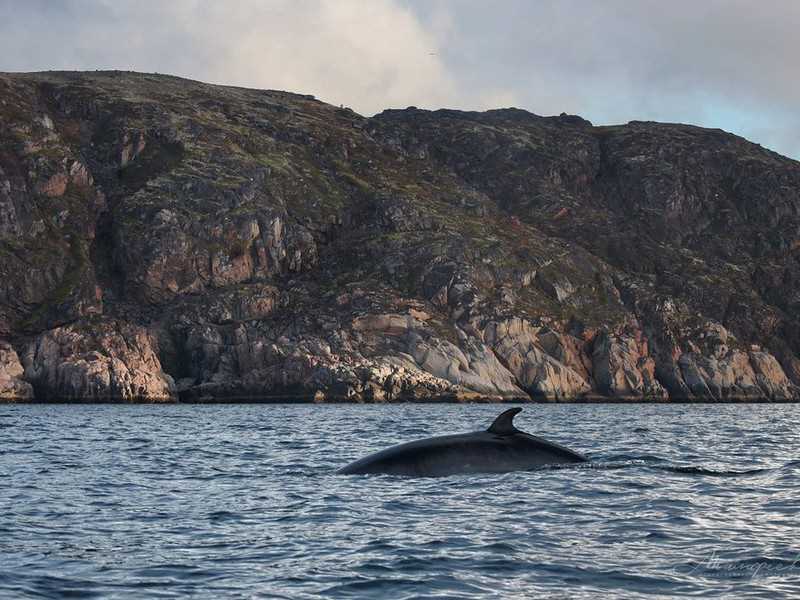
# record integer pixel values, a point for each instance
(164, 239)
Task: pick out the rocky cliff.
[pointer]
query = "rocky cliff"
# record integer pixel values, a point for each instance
(164, 239)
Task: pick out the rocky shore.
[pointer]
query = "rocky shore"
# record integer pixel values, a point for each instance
(164, 240)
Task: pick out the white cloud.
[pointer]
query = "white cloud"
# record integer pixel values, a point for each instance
(720, 63)
(368, 55)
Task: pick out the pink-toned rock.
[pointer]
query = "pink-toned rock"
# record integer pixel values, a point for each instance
(227, 269)
(516, 343)
(473, 366)
(791, 366)
(98, 361)
(569, 350)
(736, 375)
(623, 367)
(12, 386)
(133, 146)
(387, 324)
(771, 377)
(55, 186)
(79, 175)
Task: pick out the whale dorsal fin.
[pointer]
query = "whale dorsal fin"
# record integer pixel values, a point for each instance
(504, 424)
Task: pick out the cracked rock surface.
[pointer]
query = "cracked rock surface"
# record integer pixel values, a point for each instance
(164, 239)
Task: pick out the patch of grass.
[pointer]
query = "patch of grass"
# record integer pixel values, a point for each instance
(61, 293)
(279, 163)
(344, 171)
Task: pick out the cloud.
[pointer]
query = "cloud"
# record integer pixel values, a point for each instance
(718, 63)
(368, 55)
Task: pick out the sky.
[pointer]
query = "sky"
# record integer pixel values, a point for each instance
(731, 64)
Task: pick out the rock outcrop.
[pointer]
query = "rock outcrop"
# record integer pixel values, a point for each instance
(97, 361)
(164, 239)
(12, 386)
(623, 367)
(517, 344)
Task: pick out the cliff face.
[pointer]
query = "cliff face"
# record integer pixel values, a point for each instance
(163, 239)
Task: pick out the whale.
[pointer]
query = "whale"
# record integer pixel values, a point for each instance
(502, 448)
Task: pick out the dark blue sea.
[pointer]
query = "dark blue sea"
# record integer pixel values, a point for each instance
(241, 501)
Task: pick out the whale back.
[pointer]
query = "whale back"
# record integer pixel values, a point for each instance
(499, 449)
(504, 423)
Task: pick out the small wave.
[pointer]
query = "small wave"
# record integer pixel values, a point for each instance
(416, 431)
(693, 470)
(176, 571)
(633, 458)
(623, 461)
(386, 587)
(374, 585)
(378, 545)
(303, 471)
(223, 516)
(603, 465)
(373, 568)
(499, 547)
(138, 440)
(53, 587)
(398, 505)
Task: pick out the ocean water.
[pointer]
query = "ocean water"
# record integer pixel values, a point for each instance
(242, 501)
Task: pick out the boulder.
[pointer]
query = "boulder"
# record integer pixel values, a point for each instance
(473, 366)
(623, 368)
(516, 344)
(12, 386)
(771, 378)
(102, 360)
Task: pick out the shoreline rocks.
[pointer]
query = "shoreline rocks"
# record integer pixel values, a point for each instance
(97, 361)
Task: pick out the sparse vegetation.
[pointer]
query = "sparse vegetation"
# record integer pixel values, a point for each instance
(472, 218)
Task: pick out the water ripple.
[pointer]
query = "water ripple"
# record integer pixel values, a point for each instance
(242, 501)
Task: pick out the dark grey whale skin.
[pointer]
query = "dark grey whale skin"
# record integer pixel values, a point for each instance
(499, 449)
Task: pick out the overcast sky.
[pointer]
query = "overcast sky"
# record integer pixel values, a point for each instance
(719, 63)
